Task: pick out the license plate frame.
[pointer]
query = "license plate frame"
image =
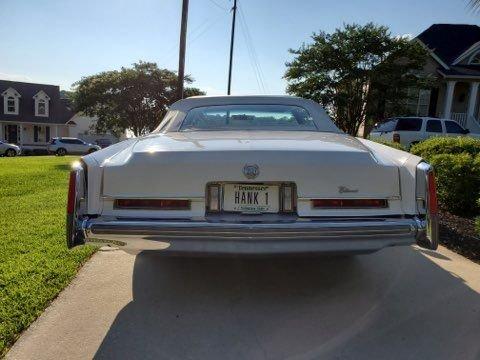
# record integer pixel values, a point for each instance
(241, 198)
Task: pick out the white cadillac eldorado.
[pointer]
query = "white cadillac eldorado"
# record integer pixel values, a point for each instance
(251, 175)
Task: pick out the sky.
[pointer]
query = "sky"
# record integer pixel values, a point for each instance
(60, 41)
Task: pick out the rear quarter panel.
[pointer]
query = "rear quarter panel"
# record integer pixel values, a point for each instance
(407, 165)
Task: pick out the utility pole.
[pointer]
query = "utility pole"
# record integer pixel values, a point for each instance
(232, 40)
(181, 57)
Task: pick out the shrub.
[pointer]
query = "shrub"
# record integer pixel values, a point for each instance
(446, 145)
(477, 225)
(392, 144)
(458, 181)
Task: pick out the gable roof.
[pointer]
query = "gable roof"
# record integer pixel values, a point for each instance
(449, 41)
(59, 112)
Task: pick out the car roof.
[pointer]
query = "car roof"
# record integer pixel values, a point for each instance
(198, 101)
(322, 120)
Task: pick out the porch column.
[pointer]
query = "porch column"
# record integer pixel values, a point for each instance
(447, 109)
(472, 99)
(21, 134)
(56, 131)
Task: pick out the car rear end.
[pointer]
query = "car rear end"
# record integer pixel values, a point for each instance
(328, 194)
(52, 146)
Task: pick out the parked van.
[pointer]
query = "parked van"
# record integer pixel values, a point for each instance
(411, 130)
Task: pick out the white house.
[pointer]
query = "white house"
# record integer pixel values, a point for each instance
(32, 114)
(83, 127)
(455, 63)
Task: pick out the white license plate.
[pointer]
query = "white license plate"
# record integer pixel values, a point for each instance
(251, 198)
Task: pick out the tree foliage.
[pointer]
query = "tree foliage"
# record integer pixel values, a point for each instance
(356, 73)
(133, 98)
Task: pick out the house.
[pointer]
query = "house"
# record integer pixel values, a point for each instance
(32, 114)
(454, 62)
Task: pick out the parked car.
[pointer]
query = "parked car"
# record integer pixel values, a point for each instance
(251, 175)
(65, 145)
(103, 143)
(9, 150)
(411, 130)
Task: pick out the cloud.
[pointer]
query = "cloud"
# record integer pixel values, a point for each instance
(14, 77)
(405, 36)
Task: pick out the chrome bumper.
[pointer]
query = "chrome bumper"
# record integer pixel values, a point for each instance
(294, 237)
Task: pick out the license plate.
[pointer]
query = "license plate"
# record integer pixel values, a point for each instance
(251, 198)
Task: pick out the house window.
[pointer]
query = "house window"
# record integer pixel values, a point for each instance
(11, 99)
(10, 104)
(41, 107)
(418, 102)
(41, 103)
(36, 130)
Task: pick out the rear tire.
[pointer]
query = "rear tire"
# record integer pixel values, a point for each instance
(10, 153)
(61, 152)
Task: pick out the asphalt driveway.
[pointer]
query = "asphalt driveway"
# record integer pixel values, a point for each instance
(401, 303)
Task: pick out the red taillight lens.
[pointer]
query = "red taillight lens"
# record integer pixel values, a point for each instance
(72, 192)
(396, 138)
(432, 194)
(152, 204)
(349, 203)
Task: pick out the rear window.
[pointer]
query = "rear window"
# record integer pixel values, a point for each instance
(453, 128)
(387, 126)
(249, 117)
(409, 124)
(434, 126)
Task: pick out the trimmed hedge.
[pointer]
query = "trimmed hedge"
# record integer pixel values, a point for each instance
(446, 145)
(458, 182)
(456, 161)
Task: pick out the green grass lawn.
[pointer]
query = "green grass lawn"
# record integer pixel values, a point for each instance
(35, 264)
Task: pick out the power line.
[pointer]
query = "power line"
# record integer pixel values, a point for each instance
(252, 62)
(218, 5)
(253, 54)
(192, 36)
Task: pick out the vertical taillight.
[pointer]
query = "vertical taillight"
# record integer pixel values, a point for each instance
(214, 198)
(72, 192)
(76, 192)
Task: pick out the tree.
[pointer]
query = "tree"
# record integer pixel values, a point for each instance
(474, 4)
(134, 98)
(356, 73)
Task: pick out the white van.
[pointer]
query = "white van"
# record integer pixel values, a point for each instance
(411, 130)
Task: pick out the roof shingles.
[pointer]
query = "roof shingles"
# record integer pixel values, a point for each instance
(59, 113)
